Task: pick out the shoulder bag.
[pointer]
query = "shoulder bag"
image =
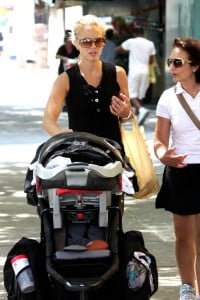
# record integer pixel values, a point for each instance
(137, 151)
(188, 110)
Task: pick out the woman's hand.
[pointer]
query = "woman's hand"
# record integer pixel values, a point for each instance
(121, 107)
(172, 160)
(66, 130)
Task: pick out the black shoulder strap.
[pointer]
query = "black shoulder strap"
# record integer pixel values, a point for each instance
(109, 71)
(73, 71)
(188, 110)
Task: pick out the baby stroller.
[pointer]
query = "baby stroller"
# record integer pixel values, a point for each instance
(79, 191)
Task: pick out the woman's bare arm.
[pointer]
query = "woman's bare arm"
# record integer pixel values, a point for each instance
(54, 105)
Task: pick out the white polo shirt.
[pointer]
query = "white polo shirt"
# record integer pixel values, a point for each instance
(184, 134)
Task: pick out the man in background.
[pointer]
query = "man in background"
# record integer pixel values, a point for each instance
(108, 53)
(142, 53)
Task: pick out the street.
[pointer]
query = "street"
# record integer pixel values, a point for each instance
(22, 98)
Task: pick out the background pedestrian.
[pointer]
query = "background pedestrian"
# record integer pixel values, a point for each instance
(141, 54)
(67, 53)
(108, 53)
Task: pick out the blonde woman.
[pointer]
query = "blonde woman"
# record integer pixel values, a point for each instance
(96, 93)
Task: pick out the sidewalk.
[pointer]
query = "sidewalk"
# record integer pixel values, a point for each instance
(21, 134)
(158, 235)
(19, 219)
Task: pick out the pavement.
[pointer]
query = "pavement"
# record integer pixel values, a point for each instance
(23, 95)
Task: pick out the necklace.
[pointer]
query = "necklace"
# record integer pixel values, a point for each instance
(93, 80)
(92, 77)
(193, 93)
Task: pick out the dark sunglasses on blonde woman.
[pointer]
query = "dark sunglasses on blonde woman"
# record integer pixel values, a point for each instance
(177, 62)
(88, 42)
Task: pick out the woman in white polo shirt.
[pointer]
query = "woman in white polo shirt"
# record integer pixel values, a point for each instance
(177, 146)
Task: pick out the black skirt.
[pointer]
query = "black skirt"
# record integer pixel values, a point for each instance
(180, 190)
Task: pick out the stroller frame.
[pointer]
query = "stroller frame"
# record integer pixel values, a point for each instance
(79, 193)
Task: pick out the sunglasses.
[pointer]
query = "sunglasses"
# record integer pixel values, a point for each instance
(177, 62)
(88, 42)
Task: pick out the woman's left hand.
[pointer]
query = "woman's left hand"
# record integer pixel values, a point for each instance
(120, 106)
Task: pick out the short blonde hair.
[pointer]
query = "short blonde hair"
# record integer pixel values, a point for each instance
(87, 20)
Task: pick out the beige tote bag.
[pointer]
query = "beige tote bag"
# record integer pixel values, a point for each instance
(137, 152)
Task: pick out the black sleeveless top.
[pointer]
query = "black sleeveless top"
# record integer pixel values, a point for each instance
(88, 107)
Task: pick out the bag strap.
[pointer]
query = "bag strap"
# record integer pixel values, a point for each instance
(188, 110)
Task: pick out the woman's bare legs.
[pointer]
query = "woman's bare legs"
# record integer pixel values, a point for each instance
(185, 250)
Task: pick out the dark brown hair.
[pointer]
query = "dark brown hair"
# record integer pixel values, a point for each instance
(192, 47)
